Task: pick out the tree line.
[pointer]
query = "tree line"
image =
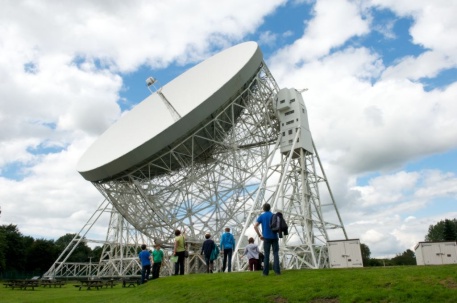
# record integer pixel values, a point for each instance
(22, 256)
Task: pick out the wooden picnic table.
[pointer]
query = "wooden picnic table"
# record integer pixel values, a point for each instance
(127, 282)
(50, 282)
(89, 284)
(23, 284)
(8, 283)
(110, 282)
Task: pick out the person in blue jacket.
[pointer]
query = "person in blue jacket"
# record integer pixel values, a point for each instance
(227, 246)
(270, 240)
(145, 259)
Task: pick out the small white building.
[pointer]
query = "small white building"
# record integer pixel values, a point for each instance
(344, 253)
(436, 253)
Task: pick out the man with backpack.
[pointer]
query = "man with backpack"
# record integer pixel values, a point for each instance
(270, 240)
(279, 225)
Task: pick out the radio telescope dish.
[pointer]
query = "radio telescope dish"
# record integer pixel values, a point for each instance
(150, 128)
(216, 165)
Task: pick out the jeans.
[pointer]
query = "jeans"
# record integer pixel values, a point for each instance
(267, 243)
(253, 264)
(156, 269)
(209, 264)
(179, 266)
(227, 254)
(145, 272)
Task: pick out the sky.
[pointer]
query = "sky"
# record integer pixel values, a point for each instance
(382, 98)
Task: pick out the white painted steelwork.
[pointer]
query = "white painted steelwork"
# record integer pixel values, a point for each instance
(291, 185)
(214, 171)
(208, 192)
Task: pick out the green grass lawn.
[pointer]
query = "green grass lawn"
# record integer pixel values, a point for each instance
(377, 284)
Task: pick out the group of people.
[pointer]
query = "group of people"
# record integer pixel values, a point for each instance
(147, 258)
(210, 251)
(227, 245)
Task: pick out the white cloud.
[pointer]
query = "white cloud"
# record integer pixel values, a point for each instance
(334, 22)
(267, 38)
(426, 65)
(386, 29)
(384, 214)
(60, 80)
(434, 22)
(387, 189)
(371, 126)
(51, 194)
(125, 35)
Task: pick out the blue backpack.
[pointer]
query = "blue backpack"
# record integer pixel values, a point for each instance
(214, 253)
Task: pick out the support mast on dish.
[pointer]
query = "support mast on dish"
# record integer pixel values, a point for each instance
(150, 82)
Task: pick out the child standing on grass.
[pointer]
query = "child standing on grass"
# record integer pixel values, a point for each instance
(145, 259)
(157, 256)
(251, 251)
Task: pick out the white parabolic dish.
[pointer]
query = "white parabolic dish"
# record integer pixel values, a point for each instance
(150, 127)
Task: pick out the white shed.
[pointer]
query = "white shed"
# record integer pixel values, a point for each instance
(436, 253)
(344, 253)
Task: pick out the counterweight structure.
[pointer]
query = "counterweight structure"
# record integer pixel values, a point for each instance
(253, 149)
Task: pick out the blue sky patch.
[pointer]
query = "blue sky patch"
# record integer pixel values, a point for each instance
(13, 171)
(441, 81)
(44, 149)
(30, 68)
(446, 162)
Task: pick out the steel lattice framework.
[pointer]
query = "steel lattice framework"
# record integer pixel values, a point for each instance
(202, 188)
(291, 185)
(212, 188)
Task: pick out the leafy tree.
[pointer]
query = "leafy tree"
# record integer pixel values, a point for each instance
(450, 231)
(379, 262)
(366, 253)
(80, 254)
(2, 250)
(14, 251)
(21, 254)
(97, 253)
(444, 230)
(406, 258)
(41, 255)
